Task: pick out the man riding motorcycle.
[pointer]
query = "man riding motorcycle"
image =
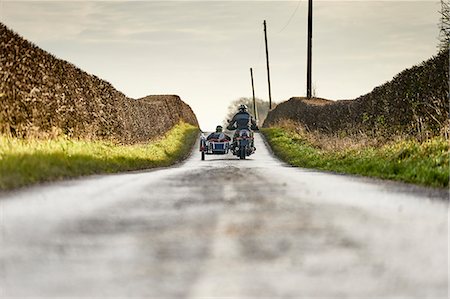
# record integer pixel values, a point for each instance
(242, 120)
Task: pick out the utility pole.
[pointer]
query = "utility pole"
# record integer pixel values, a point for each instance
(267, 62)
(309, 60)
(253, 91)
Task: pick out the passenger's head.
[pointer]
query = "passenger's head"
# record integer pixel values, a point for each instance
(219, 129)
(243, 108)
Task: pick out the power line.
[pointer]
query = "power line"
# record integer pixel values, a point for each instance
(292, 16)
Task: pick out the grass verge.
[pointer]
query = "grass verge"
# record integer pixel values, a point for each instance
(425, 163)
(28, 161)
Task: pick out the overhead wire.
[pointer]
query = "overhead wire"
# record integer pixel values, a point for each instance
(292, 16)
(260, 60)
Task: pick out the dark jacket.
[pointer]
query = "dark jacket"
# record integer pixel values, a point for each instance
(219, 136)
(242, 120)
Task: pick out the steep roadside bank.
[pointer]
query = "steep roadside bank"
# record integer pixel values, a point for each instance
(398, 131)
(414, 103)
(41, 95)
(57, 121)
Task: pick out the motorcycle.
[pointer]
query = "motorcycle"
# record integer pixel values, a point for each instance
(243, 145)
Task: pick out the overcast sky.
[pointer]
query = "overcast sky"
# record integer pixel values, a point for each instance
(202, 51)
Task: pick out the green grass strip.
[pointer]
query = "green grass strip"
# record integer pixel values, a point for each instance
(28, 161)
(425, 163)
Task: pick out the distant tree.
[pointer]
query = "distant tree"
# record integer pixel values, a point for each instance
(262, 108)
(444, 25)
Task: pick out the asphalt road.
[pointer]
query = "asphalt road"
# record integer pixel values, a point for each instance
(225, 228)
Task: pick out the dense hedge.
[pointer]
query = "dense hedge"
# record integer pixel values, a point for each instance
(415, 102)
(153, 115)
(42, 94)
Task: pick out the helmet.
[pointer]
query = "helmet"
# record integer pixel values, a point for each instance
(219, 129)
(243, 108)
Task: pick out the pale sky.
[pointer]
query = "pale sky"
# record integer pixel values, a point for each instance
(202, 51)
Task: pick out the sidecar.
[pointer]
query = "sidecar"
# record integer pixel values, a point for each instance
(213, 146)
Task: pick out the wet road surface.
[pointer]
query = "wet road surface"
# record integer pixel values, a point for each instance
(225, 228)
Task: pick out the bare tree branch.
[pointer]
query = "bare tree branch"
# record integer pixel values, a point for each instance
(444, 25)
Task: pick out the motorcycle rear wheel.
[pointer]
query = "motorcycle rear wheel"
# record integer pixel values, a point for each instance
(242, 153)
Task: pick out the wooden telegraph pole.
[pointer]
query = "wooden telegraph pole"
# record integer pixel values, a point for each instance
(253, 91)
(267, 62)
(309, 59)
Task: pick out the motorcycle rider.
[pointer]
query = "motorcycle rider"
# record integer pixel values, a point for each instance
(218, 134)
(242, 120)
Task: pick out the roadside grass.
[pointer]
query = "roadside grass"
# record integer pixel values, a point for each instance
(28, 161)
(424, 163)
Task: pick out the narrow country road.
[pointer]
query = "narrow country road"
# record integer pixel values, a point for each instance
(225, 228)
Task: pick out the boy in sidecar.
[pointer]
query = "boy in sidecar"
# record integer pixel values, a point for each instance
(217, 142)
(218, 135)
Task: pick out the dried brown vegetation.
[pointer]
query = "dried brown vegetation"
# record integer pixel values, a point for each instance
(414, 103)
(333, 142)
(43, 95)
